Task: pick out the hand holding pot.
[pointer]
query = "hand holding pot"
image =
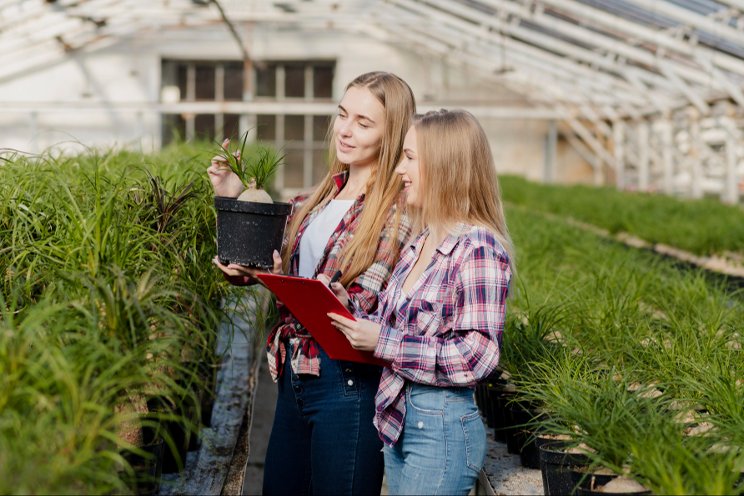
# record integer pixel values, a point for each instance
(224, 181)
(238, 270)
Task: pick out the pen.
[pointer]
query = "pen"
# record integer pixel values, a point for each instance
(335, 278)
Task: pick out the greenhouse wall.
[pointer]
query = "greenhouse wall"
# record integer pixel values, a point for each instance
(112, 97)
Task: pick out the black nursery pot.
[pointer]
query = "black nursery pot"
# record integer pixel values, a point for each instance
(147, 468)
(556, 466)
(518, 414)
(249, 232)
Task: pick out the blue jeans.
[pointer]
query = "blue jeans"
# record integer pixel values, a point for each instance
(443, 444)
(323, 440)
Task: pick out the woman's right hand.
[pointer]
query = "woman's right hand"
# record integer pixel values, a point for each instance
(224, 181)
(337, 288)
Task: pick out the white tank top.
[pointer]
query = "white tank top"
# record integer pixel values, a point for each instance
(316, 235)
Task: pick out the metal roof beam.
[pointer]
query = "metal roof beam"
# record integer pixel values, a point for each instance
(598, 18)
(534, 83)
(733, 89)
(608, 44)
(528, 77)
(393, 23)
(737, 4)
(574, 72)
(694, 98)
(41, 47)
(687, 17)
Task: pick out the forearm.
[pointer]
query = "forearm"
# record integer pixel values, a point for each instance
(459, 360)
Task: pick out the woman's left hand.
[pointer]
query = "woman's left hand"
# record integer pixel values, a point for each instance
(243, 270)
(362, 334)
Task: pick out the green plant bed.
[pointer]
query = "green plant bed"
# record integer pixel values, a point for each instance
(703, 227)
(612, 341)
(106, 279)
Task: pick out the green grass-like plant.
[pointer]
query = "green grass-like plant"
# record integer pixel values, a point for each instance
(641, 343)
(254, 169)
(106, 295)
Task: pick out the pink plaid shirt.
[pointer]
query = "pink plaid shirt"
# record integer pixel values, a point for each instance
(446, 332)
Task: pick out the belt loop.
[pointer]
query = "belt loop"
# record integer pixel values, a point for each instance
(349, 377)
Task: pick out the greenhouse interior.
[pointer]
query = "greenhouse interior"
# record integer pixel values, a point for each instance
(133, 364)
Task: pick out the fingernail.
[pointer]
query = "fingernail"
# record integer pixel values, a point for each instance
(276, 253)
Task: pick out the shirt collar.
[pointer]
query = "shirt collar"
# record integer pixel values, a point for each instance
(340, 179)
(449, 243)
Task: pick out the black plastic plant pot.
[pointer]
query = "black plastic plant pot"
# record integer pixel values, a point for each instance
(249, 232)
(147, 468)
(502, 420)
(556, 465)
(529, 455)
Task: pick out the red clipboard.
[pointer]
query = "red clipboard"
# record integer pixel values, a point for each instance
(310, 301)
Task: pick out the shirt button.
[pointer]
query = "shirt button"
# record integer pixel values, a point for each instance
(350, 382)
(420, 425)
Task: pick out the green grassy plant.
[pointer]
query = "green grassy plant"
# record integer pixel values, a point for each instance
(254, 168)
(703, 226)
(107, 293)
(641, 342)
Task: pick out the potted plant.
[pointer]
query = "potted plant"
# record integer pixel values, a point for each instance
(250, 227)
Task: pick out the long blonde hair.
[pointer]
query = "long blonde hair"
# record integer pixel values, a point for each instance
(458, 174)
(383, 188)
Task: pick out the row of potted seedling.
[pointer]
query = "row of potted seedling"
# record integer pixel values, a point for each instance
(620, 356)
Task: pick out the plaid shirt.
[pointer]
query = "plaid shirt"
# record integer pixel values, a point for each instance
(363, 290)
(446, 332)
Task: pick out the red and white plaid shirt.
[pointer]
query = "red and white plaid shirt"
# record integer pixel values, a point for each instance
(363, 290)
(447, 331)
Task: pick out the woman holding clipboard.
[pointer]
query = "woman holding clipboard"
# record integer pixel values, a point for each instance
(323, 440)
(440, 319)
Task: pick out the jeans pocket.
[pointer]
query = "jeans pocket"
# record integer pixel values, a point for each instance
(426, 399)
(475, 440)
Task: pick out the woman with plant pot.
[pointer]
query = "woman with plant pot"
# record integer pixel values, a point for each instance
(323, 440)
(439, 320)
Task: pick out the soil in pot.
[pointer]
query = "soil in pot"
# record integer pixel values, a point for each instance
(610, 486)
(249, 232)
(556, 463)
(586, 478)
